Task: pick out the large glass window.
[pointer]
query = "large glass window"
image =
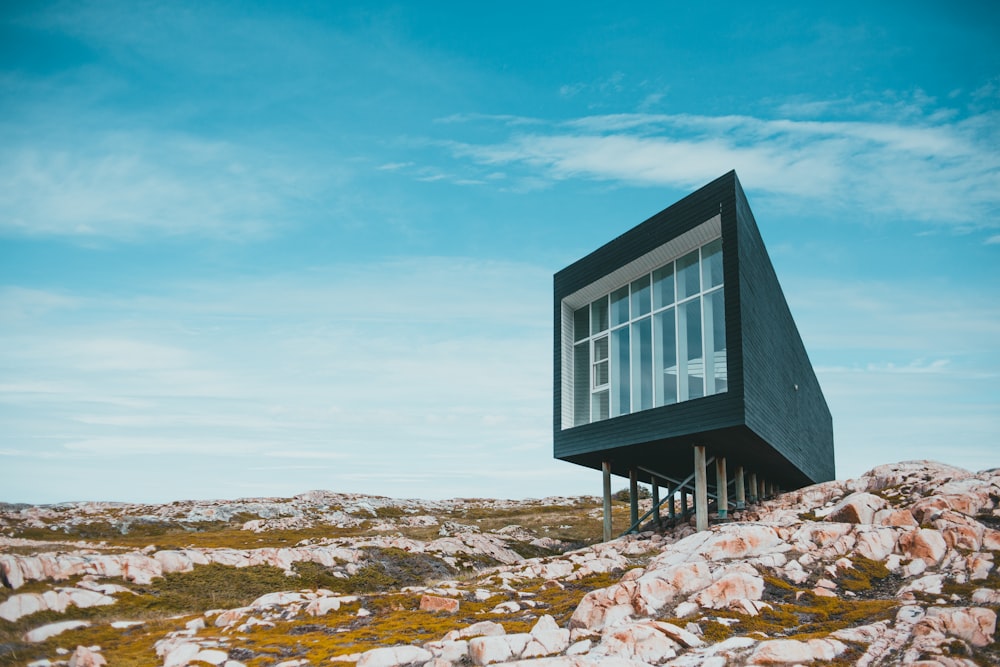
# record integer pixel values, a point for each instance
(656, 341)
(642, 364)
(621, 403)
(665, 354)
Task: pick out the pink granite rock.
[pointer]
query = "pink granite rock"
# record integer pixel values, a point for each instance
(858, 507)
(901, 518)
(44, 632)
(642, 641)
(876, 543)
(84, 656)
(547, 638)
(435, 603)
(501, 648)
(785, 651)
(480, 629)
(975, 625)
(393, 656)
(923, 543)
(736, 584)
(960, 531)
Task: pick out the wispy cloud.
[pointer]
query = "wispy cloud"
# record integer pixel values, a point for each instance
(133, 185)
(928, 169)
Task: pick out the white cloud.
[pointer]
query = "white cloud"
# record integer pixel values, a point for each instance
(117, 447)
(929, 169)
(130, 185)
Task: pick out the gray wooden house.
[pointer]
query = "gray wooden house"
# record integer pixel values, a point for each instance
(675, 350)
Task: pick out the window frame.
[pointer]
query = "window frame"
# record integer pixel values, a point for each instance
(649, 311)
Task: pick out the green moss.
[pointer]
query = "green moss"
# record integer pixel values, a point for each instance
(811, 616)
(390, 512)
(204, 535)
(714, 632)
(859, 577)
(528, 550)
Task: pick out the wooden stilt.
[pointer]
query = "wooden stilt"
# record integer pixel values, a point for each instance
(633, 498)
(657, 521)
(741, 491)
(700, 489)
(722, 486)
(606, 472)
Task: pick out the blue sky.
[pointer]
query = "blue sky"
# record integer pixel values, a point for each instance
(259, 248)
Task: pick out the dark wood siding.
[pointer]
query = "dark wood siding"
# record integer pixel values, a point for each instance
(784, 402)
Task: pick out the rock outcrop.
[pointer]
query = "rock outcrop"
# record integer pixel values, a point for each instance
(898, 566)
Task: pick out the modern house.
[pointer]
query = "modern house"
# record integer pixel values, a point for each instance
(674, 349)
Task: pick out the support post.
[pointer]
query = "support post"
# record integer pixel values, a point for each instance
(753, 487)
(722, 486)
(633, 498)
(762, 493)
(672, 500)
(684, 502)
(606, 472)
(700, 489)
(657, 521)
(741, 492)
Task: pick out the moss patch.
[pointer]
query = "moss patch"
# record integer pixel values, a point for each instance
(864, 573)
(811, 616)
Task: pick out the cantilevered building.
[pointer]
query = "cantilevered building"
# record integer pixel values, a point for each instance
(674, 346)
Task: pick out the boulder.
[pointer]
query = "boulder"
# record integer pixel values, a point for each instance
(733, 585)
(975, 625)
(178, 654)
(547, 638)
(960, 531)
(679, 635)
(435, 603)
(451, 651)
(44, 632)
(392, 656)
(899, 518)
(278, 599)
(858, 507)
(643, 641)
(500, 648)
(991, 539)
(22, 604)
(658, 586)
(84, 656)
(174, 561)
(480, 629)
(212, 656)
(876, 544)
(923, 543)
(784, 651)
(986, 596)
(324, 605)
(10, 571)
(140, 569)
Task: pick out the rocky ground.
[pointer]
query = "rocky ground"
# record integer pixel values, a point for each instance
(896, 567)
